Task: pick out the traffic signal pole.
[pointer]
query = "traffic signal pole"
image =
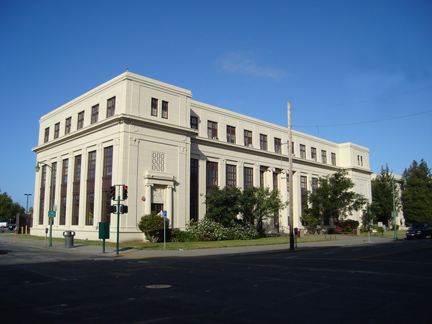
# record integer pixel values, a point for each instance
(118, 220)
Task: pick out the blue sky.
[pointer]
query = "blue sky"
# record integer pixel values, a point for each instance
(359, 65)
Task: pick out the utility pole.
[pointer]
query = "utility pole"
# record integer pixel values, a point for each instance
(290, 180)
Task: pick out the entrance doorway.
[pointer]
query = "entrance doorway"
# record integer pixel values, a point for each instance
(157, 208)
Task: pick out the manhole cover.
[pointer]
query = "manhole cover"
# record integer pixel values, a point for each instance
(158, 286)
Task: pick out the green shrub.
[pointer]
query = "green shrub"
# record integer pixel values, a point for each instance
(153, 226)
(177, 235)
(347, 226)
(208, 230)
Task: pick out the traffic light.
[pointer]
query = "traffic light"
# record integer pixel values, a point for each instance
(123, 209)
(113, 209)
(112, 192)
(125, 192)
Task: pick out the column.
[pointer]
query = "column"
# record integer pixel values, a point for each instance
(169, 204)
(148, 196)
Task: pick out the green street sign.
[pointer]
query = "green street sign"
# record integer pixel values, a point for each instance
(51, 213)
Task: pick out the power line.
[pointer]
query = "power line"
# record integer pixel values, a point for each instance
(368, 122)
(363, 102)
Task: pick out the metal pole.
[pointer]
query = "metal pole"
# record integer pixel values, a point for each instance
(118, 219)
(164, 233)
(290, 180)
(394, 211)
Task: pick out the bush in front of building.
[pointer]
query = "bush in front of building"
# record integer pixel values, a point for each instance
(153, 226)
(208, 230)
(177, 235)
(347, 226)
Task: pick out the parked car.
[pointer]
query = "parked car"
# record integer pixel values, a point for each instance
(419, 230)
(12, 227)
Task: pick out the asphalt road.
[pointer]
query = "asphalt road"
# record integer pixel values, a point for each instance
(352, 284)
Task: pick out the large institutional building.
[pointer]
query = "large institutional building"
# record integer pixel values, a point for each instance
(169, 150)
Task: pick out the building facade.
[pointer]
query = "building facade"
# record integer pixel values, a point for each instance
(169, 150)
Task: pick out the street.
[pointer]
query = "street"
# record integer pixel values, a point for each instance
(357, 284)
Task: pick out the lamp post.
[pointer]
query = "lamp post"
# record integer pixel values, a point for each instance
(27, 201)
(37, 168)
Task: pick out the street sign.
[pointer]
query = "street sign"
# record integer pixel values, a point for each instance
(164, 213)
(51, 213)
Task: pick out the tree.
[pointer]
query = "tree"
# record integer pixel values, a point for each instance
(382, 195)
(417, 193)
(333, 198)
(223, 204)
(9, 209)
(258, 203)
(368, 215)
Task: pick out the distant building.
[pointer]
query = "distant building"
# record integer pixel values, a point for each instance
(169, 150)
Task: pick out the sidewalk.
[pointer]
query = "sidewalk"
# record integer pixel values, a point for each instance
(95, 250)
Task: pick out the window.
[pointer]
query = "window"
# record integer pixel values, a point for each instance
(108, 159)
(90, 208)
(275, 181)
(194, 192)
(63, 193)
(262, 171)
(46, 137)
(277, 145)
(154, 107)
(248, 138)
(194, 122)
(231, 175)
(75, 209)
(80, 120)
(165, 109)
(42, 195)
(302, 151)
(111, 107)
(63, 210)
(56, 130)
(53, 185)
(212, 175)
(314, 184)
(231, 134)
(263, 142)
(77, 176)
(248, 177)
(333, 158)
(91, 165)
(212, 130)
(95, 114)
(303, 187)
(324, 156)
(313, 153)
(65, 171)
(361, 160)
(68, 125)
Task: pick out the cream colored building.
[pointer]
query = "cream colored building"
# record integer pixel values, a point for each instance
(168, 148)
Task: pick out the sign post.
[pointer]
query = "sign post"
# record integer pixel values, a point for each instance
(164, 214)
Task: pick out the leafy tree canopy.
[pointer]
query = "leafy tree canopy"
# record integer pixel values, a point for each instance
(417, 192)
(334, 198)
(9, 209)
(382, 195)
(223, 204)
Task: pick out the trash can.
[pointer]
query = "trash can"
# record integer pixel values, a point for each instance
(69, 238)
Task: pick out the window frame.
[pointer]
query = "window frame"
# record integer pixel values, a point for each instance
(247, 134)
(212, 129)
(231, 134)
(154, 107)
(194, 122)
(231, 175)
(111, 103)
(46, 135)
(80, 121)
(56, 130)
(95, 114)
(278, 145)
(164, 109)
(247, 177)
(302, 151)
(68, 125)
(263, 142)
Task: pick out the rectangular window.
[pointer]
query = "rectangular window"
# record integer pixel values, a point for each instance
(68, 125)
(154, 107)
(111, 106)
(42, 195)
(194, 122)
(212, 175)
(303, 187)
(95, 114)
(231, 134)
(91, 165)
(263, 142)
(333, 158)
(314, 184)
(65, 171)
(275, 181)
(62, 211)
(75, 209)
(262, 171)
(80, 120)
(248, 138)
(57, 130)
(361, 160)
(212, 130)
(53, 185)
(108, 160)
(194, 192)
(46, 138)
(90, 209)
(324, 156)
(302, 151)
(231, 175)
(165, 109)
(278, 145)
(313, 153)
(77, 176)
(248, 177)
